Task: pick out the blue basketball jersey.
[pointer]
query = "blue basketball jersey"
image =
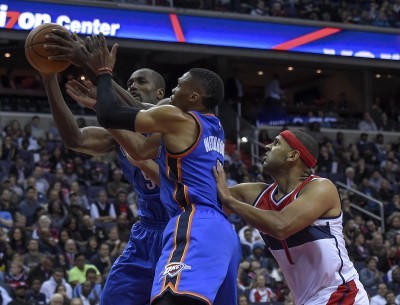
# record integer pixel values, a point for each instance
(187, 178)
(149, 203)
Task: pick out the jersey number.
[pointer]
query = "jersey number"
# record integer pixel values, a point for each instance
(149, 183)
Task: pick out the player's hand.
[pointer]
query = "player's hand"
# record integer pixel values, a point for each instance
(98, 54)
(68, 46)
(84, 94)
(220, 178)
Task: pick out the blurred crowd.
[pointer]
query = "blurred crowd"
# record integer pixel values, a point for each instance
(382, 13)
(65, 217)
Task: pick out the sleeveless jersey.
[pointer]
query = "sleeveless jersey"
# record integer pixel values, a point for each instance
(187, 177)
(149, 203)
(313, 259)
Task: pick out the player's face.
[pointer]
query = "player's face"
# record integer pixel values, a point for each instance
(275, 154)
(142, 87)
(183, 92)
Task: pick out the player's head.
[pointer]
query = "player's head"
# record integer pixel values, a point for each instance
(292, 146)
(146, 86)
(198, 89)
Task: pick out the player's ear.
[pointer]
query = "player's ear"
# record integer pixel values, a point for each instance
(293, 155)
(195, 96)
(160, 94)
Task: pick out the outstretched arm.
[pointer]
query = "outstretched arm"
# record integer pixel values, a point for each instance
(89, 140)
(70, 47)
(319, 198)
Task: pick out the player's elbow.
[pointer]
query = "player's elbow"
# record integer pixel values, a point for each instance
(281, 230)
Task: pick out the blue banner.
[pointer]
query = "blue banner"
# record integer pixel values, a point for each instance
(202, 30)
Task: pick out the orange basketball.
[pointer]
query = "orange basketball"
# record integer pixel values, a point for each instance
(37, 55)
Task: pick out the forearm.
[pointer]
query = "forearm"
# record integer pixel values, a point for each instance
(149, 167)
(63, 117)
(268, 222)
(110, 114)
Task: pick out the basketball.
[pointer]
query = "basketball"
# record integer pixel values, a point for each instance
(37, 55)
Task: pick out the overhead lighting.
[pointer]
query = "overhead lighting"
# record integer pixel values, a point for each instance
(7, 55)
(83, 77)
(244, 140)
(378, 76)
(260, 73)
(389, 76)
(290, 68)
(318, 71)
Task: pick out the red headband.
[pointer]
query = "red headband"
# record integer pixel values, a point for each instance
(294, 143)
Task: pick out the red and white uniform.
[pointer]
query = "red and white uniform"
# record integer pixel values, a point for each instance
(314, 261)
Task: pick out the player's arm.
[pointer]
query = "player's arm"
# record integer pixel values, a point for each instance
(136, 145)
(111, 115)
(316, 199)
(247, 192)
(90, 140)
(149, 167)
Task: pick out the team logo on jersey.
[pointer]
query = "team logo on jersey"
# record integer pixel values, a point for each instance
(173, 269)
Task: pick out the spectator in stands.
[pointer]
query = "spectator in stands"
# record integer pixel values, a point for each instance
(20, 295)
(69, 254)
(81, 199)
(76, 301)
(95, 288)
(102, 211)
(20, 170)
(71, 224)
(391, 298)
(367, 124)
(370, 276)
(116, 184)
(56, 299)
(102, 259)
(61, 289)
(260, 9)
(237, 168)
(34, 296)
(42, 271)
(49, 287)
(124, 213)
(17, 238)
(379, 297)
(260, 293)
(8, 149)
(78, 274)
(393, 222)
(385, 123)
(376, 180)
(349, 179)
(86, 294)
(56, 213)
(242, 300)
(357, 250)
(37, 131)
(15, 275)
(394, 283)
(28, 206)
(32, 259)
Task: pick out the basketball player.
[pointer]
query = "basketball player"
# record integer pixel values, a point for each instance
(130, 279)
(299, 217)
(201, 252)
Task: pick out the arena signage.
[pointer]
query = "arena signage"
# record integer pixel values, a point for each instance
(201, 30)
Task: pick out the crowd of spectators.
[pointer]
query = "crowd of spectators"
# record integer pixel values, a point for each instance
(382, 13)
(65, 217)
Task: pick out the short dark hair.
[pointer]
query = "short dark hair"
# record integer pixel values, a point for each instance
(308, 141)
(212, 85)
(158, 80)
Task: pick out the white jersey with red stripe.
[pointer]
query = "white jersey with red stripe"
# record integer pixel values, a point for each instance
(314, 261)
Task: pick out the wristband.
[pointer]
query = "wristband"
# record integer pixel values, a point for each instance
(104, 69)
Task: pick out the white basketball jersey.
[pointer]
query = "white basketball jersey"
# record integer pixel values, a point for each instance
(313, 261)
